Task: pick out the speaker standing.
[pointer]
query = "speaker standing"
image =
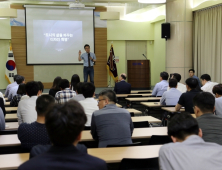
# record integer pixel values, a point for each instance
(89, 59)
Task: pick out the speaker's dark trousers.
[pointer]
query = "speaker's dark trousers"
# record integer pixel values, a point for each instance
(88, 71)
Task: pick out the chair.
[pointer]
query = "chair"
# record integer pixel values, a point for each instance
(143, 124)
(159, 140)
(87, 128)
(133, 144)
(139, 164)
(132, 114)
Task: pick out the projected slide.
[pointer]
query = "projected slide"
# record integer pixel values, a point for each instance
(56, 40)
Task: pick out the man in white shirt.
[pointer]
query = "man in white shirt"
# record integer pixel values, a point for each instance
(26, 109)
(207, 84)
(171, 97)
(181, 87)
(90, 105)
(189, 151)
(10, 86)
(13, 90)
(217, 91)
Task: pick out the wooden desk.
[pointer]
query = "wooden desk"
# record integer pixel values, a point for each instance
(137, 91)
(9, 109)
(115, 155)
(11, 126)
(151, 104)
(6, 98)
(172, 109)
(13, 161)
(11, 117)
(150, 119)
(7, 103)
(125, 95)
(143, 99)
(9, 140)
(134, 111)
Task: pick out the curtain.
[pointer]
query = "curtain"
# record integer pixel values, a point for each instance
(207, 46)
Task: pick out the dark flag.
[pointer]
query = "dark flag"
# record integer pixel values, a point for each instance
(111, 65)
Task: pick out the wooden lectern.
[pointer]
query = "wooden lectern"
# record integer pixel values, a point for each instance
(138, 74)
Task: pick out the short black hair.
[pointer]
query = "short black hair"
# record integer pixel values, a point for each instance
(41, 86)
(19, 79)
(79, 87)
(192, 83)
(32, 88)
(217, 89)
(164, 75)
(123, 76)
(21, 89)
(88, 89)
(192, 70)
(64, 122)
(64, 83)
(86, 45)
(110, 94)
(205, 101)
(177, 76)
(182, 125)
(15, 76)
(173, 83)
(56, 82)
(206, 77)
(74, 81)
(43, 102)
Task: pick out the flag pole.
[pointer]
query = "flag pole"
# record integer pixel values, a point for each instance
(109, 85)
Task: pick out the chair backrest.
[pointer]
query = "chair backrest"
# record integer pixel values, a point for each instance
(87, 128)
(133, 144)
(139, 164)
(159, 140)
(134, 96)
(143, 124)
(132, 114)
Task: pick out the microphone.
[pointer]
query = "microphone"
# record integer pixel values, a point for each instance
(144, 56)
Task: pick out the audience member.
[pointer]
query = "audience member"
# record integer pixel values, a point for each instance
(20, 92)
(11, 85)
(161, 87)
(2, 106)
(172, 96)
(26, 108)
(217, 91)
(207, 84)
(2, 96)
(64, 124)
(65, 94)
(41, 87)
(181, 87)
(55, 87)
(209, 123)
(13, 90)
(2, 120)
(74, 81)
(35, 133)
(191, 73)
(109, 120)
(79, 96)
(186, 98)
(189, 151)
(122, 87)
(89, 104)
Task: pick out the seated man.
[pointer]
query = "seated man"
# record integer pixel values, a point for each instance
(191, 73)
(26, 108)
(217, 91)
(122, 87)
(64, 124)
(10, 86)
(172, 96)
(209, 123)
(79, 96)
(89, 105)
(35, 133)
(186, 99)
(207, 84)
(65, 94)
(181, 87)
(20, 92)
(13, 90)
(111, 125)
(189, 151)
(161, 87)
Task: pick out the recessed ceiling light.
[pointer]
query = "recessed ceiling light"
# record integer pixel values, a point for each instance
(152, 1)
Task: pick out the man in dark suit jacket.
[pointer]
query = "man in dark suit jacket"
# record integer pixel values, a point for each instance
(64, 124)
(122, 87)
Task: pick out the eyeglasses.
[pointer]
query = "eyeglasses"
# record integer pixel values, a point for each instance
(100, 100)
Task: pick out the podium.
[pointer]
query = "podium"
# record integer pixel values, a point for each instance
(138, 74)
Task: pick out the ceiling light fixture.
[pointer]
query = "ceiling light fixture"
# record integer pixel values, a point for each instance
(152, 1)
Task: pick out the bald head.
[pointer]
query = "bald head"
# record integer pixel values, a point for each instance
(122, 76)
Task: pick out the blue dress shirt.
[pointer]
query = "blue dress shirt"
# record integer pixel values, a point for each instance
(160, 88)
(84, 56)
(170, 97)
